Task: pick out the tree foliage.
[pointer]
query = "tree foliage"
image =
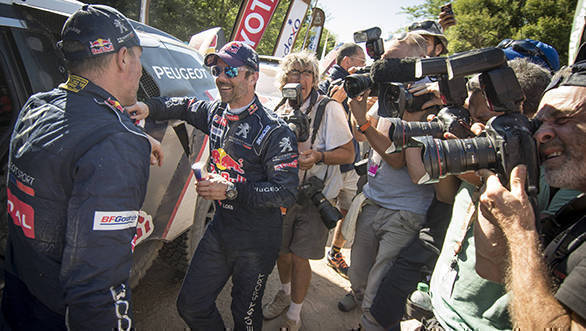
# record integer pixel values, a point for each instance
(184, 18)
(484, 23)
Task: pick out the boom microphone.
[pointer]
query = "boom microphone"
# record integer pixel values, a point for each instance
(393, 70)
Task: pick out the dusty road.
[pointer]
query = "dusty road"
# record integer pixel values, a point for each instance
(154, 300)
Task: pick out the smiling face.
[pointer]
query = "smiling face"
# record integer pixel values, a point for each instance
(238, 91)
(562, 136)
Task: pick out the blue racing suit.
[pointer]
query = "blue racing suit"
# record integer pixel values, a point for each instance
(257, 152)
(77, 175)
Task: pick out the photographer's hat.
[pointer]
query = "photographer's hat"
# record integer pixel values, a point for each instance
(235, 54)
(535, 51)
(430, 28)
(100, 29)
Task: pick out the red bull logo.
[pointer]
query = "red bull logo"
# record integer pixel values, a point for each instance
(100, 46)
(223, 161)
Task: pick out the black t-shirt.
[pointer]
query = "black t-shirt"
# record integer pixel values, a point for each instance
(570, 272)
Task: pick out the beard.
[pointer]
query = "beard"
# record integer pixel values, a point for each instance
(569, 172)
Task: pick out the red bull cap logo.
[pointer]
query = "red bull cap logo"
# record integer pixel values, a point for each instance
(100, 46)
(223, 161)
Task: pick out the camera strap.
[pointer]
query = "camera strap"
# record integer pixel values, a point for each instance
(319, 114)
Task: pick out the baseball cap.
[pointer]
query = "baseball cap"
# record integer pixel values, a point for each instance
(430, 28)
(535, 51)
(101, 29)
(235, 54)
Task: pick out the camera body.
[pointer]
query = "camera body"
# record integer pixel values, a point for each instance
(312, 189)
(508, 138)
(297, 121)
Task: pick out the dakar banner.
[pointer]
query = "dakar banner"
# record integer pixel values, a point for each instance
(317, 24)
(253, 18)
(290, 28)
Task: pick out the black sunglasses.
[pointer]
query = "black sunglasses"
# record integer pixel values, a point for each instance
(526, 48)
(430, 26)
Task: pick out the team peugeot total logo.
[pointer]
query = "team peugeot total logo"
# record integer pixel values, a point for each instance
(223, 161)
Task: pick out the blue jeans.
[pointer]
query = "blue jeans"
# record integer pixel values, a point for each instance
(211, 267)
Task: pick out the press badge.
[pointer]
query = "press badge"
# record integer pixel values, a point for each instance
(374, 164)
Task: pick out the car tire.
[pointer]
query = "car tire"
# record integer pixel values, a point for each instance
(144, 255)
(178, 253)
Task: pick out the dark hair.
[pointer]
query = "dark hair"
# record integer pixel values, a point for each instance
(347, 49)
(533, 79)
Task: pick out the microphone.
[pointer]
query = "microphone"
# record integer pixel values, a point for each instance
(393, 70)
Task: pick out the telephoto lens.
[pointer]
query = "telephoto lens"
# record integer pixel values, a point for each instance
(355, 84)
(330, 215)
(455, 156)
(401, 132)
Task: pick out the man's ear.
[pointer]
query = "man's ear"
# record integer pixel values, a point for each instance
(121, 58)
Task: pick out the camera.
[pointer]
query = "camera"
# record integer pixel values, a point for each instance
(374, 43)
(508, 138)
(312, 189)
(297, 121)
(453, 118)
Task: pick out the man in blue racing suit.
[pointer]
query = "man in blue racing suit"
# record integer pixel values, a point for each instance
(253, 163)
(77, 175)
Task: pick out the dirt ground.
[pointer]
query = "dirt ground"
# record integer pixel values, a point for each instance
(154, 300)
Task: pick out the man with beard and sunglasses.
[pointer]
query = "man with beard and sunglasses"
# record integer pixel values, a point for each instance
(253, 172)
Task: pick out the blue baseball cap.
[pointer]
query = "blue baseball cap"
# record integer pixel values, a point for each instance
(535, 51)
(235, 54)
(101, 29)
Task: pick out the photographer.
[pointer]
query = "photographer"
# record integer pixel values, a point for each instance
(304, 231)
(350, 57)
(391, 208)
(529, 274)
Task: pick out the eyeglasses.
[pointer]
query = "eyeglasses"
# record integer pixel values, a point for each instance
(429, 26)
(230, 72)
(526, 48)
(295, 74)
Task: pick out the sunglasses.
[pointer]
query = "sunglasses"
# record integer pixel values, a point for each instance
(526, 48)
(230, 72)
(430, 26)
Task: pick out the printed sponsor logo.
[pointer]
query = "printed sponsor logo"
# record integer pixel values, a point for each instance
(253, 22)
(223, 161)
(115, 220)
(21, 175)
(74, 83)
(179, 73)
(292, 164)
(22, 214)
(100, 46)
(285, 145)
(256, 293)
(288, 42)
(267, 189)
(220, 120)
(263, 134)
(242, 130)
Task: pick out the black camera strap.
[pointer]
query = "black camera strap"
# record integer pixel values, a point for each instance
(319, 114)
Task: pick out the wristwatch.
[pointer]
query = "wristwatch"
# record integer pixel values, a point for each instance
(231, 192)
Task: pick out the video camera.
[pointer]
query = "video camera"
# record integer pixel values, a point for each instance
(508, 138)
(297, 121)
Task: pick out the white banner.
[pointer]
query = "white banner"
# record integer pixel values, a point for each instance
(291, 26)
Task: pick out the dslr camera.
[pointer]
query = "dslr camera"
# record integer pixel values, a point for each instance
(508, 138)
(297, 121)
(312, 189)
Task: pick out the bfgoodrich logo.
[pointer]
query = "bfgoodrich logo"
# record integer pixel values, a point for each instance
(115, 220)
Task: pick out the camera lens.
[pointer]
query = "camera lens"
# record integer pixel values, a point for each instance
(401, 132)
(455, 156)
(355, 84)
(330, 215)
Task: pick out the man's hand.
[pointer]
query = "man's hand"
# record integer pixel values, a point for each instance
(308, 158)
(358, 107)
(212, 188)
(446, 20)
(138, 111)
(156, 151)
(338, 93)
(510, 210)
